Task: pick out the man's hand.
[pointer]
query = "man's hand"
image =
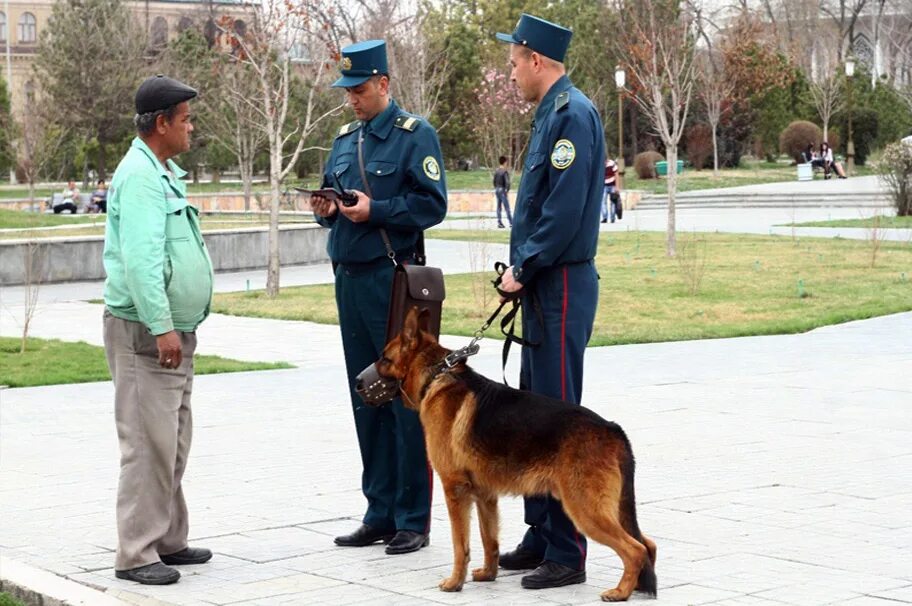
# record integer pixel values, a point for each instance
(322, 207)
(169, 349)
(360, 212)
(508, 283)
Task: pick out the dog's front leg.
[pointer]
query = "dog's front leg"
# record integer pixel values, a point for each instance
(459, 506)
(489, 523)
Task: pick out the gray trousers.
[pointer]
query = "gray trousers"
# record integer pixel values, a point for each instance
(154, 428)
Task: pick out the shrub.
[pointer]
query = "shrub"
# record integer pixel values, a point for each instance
(644, 163)
(865, 126)
(795, 138)
(895, 169)
(699, 142)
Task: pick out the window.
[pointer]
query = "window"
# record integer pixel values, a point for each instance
(2, 26)
(28, 28)
(159, 34)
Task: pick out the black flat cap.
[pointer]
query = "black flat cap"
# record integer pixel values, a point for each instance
(161, 92)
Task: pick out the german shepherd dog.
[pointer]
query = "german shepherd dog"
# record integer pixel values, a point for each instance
(486, 439)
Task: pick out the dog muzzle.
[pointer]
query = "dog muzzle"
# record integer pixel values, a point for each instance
(374, 389)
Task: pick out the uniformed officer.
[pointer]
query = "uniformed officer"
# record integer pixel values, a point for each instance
(552, 247)
(158, 291)
(392, 161)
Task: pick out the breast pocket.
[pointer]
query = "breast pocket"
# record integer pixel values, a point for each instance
(177, 223)
(533, 173)
(383, 177)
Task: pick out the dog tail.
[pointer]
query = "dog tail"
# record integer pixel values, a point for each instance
(646, 581)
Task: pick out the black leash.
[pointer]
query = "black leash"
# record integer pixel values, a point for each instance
(507, 328)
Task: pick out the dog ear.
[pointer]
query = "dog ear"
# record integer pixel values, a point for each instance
(424, 320)
(411, 326)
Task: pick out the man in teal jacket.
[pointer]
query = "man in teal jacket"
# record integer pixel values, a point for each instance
(157, 292)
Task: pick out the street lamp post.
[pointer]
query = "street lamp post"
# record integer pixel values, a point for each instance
(850, 144)
(620, 78)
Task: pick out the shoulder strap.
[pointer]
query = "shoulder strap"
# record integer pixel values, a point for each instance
(386, 240)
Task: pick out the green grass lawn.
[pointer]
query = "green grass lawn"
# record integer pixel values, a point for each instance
(8, 600)
(750, 172)
(751, 285)
(883, 222)
(53, 362)
(94, 225)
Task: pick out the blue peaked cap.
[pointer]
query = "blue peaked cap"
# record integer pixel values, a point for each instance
(549, 39)
(360, 61)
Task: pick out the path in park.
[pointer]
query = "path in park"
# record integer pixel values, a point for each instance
(770, 469)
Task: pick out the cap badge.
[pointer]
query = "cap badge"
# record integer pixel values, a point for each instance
(346, 63)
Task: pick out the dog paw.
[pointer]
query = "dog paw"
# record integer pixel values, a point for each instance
(613, 595)
(450, 584)
(483, 574)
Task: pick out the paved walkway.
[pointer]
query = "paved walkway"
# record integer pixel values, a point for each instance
(770, 469)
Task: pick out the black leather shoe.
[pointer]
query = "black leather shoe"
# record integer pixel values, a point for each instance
(552, 574)
(364, 536)
(151, 574)
(188, 555)
(520, 559)
(407, 541)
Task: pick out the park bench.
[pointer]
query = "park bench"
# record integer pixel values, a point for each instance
(55, 199)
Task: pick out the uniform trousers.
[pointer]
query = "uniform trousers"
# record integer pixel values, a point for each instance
(567, 296)
(396, 477)
(154, 429)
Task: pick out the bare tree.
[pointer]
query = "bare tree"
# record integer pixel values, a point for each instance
(40, 136)
(501, 113)
(33, 265)
(282, 38)
(827, 95)
(659, 47)
(844, 14)
(714, 90)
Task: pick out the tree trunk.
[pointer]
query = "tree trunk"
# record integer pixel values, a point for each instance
(671, 154)
(272, 273)
(825, 129)
(715, 127)
(247, 181)
(102, 162)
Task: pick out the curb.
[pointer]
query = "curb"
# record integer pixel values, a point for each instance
(40, 587)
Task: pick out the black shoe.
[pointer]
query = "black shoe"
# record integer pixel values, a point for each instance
(500, 226)
(604, 220)
(842, 177)
(188, 555)
(364, 536)
(552, 574)
(151, 574)
(520, 559)
(407, 541)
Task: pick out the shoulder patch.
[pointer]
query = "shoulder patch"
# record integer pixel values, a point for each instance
(409, 123)
(349, 128)
(562, 100)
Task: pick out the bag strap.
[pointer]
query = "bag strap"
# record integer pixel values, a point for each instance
(386, 240)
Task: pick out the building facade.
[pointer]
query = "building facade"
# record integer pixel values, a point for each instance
(22, 21)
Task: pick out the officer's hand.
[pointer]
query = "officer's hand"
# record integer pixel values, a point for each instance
(169, 349)
(508, 283)
(322, 207)
(360, 212)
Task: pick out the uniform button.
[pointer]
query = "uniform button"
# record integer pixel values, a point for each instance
(378, 172)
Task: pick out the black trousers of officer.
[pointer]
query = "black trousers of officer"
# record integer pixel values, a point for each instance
(568, 297)
(397, 476)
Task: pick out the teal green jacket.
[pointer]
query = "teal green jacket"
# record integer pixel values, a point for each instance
(159, 271)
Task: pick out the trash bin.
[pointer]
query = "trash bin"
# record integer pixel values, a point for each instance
(805, 171)
(662, 168)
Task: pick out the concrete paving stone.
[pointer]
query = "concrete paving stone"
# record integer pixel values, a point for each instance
(269, 545)
(901, 594)
(697, 594)
(867, 600)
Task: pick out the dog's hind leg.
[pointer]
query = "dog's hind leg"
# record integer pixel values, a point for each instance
(489, 524)
(602, 525)
(459, 506)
